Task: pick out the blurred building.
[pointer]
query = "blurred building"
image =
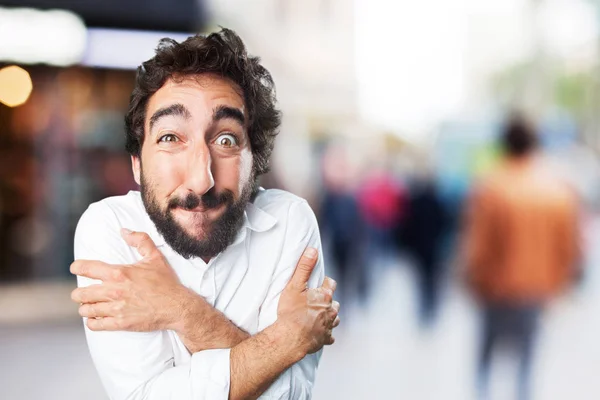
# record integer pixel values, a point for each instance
(61, 125)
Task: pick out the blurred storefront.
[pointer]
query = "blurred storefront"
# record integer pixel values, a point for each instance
(61, 140)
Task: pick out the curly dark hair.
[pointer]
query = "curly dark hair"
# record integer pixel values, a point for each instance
(221, 53)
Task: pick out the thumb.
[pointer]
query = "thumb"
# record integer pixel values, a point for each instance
(304, 269)
(141, 241)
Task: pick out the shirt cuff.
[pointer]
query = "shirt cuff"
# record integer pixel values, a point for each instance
(210, 373)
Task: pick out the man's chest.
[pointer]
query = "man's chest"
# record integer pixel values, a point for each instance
(236, 282)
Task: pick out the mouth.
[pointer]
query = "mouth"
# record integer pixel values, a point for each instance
(199, 209)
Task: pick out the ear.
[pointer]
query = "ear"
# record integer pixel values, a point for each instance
(136, 168)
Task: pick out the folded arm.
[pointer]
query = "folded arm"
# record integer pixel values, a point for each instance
(140, 365)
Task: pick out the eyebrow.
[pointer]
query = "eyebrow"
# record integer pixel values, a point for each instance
(227, 112)
(172, 110)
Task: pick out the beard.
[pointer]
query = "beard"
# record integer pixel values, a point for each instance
(217, 234)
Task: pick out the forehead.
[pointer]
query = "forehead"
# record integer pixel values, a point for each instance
(198, 93)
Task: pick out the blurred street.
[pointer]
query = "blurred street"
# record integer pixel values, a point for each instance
(450, 151)
(379, 351)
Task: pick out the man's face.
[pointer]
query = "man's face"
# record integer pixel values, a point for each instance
(195, 167)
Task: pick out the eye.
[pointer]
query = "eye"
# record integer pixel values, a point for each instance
(168, 138)
(226, 140)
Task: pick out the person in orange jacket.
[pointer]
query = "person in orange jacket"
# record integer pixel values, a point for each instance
(521, 247)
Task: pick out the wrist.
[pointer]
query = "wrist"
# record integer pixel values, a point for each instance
(286, 336)
(187, 308)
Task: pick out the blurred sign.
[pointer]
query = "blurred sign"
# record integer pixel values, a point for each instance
(179, 15)
(123, 49)
(60, 38)
(30, 36)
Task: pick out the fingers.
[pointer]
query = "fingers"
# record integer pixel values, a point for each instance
(319, 297)
(103, 324)
(329, 283)
(330, 339)
(336, 306)
(95, 294)
(336, 322)
(95, 310)
(141, 241)
(322, 296)
(304, 269)
(334, 315)
(96, 270)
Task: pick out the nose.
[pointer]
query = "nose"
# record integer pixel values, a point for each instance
(199, 176)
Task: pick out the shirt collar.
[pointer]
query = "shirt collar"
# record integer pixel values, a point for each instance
(255, 219)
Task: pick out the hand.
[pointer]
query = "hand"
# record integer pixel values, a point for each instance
(310, 314)
(143, 297)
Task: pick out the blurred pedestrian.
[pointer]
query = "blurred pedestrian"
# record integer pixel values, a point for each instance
(341, 224)
(421, 234)
(381, 200)
(521, 248)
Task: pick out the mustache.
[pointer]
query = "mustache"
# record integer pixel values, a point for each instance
(208, 200)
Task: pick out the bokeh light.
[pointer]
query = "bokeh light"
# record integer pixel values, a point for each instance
(15, 86)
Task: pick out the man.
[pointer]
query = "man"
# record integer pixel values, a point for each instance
(521, 247)
(198, 295)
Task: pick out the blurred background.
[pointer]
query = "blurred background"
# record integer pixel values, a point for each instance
(392, 111)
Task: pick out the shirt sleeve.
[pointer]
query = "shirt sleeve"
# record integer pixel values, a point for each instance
(140, 365)
(302, 231)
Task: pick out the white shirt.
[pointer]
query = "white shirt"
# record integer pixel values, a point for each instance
(244, 282)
